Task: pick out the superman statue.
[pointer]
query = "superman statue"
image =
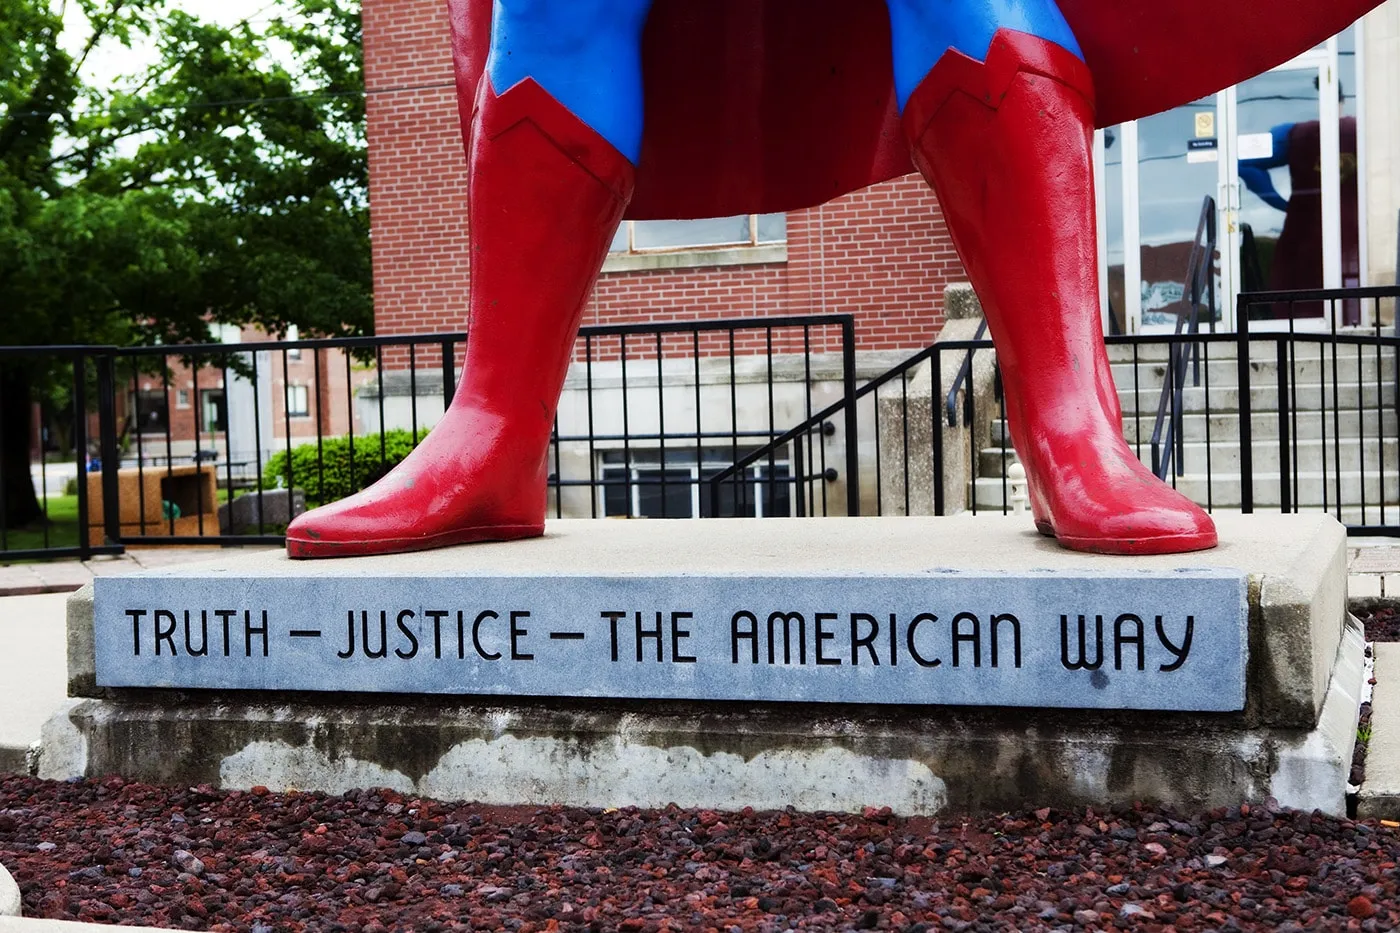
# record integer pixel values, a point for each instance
(579, 113)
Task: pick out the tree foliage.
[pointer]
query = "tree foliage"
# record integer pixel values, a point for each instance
(225, 184)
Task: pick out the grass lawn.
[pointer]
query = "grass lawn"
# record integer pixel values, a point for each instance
(61, 528)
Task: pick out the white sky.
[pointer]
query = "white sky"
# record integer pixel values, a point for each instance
(113, 62)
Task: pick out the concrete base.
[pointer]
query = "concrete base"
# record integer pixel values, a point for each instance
(1293, 739)
(915, 761)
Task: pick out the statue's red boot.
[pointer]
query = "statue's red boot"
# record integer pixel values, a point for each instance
(546, 196)
(1006, 144)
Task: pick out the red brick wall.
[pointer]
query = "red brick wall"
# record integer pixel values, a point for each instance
(882, 254)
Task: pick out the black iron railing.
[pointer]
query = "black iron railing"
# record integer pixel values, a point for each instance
(225, 443)
(1198, 297)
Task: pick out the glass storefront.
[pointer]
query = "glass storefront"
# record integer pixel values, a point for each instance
(1275, 159)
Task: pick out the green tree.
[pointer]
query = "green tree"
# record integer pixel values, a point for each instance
(226, 184)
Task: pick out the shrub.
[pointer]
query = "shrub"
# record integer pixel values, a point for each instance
(331, 478)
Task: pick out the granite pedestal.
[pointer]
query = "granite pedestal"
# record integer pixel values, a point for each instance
(916, 663)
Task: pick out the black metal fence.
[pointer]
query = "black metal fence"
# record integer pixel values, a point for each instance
(1292, 412)
(225, 443)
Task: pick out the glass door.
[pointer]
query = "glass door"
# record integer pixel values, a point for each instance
(1278, 154)
(1179, 166)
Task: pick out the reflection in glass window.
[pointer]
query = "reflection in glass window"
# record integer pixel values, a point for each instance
(706, 233)
(647, 488)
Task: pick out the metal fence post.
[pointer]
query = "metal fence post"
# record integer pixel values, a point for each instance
(108, 450)
(848, 388)
(1246, 413)
(80, 452)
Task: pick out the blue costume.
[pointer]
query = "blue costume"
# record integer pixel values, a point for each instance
(587, 53)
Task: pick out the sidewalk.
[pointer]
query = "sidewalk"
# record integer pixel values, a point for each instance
(65, 576)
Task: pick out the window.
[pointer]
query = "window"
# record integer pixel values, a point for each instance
(298, 402)
(293, 333)
(182, 398)
(639, 236)
(646, 490)
(152, 411)
(213, 411)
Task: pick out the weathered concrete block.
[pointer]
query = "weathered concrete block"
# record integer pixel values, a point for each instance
(573, 602)
(82, 663)
(272, 508)
(608, 753)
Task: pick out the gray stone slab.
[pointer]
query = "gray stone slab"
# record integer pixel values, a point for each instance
(1128, 640)
(1294, 567)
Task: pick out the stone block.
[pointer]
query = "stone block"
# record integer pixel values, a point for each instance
(579, 645)
(273, 508)
(601, 753)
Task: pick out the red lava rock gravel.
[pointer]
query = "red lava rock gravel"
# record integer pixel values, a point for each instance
(200, 859)
(1382, 625)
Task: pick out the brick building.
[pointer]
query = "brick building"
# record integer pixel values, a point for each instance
(883, 253)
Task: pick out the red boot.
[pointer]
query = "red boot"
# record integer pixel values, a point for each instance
(547, 194)
(1006, 145)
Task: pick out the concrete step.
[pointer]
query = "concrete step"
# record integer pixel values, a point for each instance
(1379, 797)
(1260, 348)
(1221, 373)
(1224, 427)
(1223, 491)
(1348, 454)
(1307, 395)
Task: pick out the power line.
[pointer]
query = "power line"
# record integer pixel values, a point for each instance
(245, 101)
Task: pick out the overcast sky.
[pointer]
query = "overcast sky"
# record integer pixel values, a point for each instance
(114, 62)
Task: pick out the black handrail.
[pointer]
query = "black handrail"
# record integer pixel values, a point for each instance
(1200, 282)
(964, 374)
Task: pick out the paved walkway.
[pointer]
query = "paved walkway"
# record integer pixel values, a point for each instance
(65, 576)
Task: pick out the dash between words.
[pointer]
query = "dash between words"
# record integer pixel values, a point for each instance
(965, 639)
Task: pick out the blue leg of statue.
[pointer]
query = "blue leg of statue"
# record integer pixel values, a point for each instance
(585, 53)
(998, 106)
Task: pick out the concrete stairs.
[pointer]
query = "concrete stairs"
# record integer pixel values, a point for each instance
(1346, 453)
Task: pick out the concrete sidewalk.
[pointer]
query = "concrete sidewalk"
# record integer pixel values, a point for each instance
(65, 576)
(33, 671)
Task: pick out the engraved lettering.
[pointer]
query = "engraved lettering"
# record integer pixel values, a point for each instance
(735, 635)
(1120, 639)
(997, 620)
(402, 620)
(867, 641)
(1181, 652)
(1083, 663)
(919, 659)
(823, 635)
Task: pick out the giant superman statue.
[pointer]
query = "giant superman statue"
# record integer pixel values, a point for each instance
(581, 112)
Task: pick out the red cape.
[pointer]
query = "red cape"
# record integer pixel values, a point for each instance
(775, 105)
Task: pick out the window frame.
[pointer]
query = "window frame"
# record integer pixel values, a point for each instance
(291, 390)
(753, 242)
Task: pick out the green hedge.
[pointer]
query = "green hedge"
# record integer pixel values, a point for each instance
(329, 478)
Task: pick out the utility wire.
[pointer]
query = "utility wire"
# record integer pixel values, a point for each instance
(245, 101)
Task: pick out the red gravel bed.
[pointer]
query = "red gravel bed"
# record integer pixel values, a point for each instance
(1382, 625)
(200, 859)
